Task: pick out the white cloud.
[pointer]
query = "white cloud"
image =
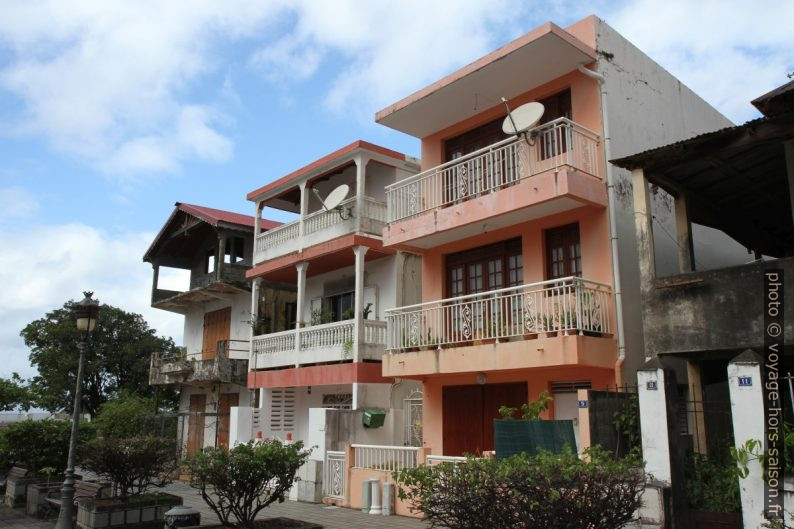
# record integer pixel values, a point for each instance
(43, 267)
(16, 202)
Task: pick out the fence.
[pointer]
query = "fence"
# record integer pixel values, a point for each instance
(615, 418)
(334, 474)
(388, 458)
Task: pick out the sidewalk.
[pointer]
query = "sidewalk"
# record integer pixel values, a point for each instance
(328, 517)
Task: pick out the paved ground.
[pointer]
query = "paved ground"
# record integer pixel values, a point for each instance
(328, 517)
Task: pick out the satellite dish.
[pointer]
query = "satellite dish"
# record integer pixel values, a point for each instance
(334, 199)
(522, 118)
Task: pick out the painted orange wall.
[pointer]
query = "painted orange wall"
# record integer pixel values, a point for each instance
(538, 380)
(585, 102)
(593, 234)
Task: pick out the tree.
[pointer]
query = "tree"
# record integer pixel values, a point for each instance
(14, 394)
(116, 357)
(244, 480)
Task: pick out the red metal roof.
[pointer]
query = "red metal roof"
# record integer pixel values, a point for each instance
(360, 144)
(214, 216)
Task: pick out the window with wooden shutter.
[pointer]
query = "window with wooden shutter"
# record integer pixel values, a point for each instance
(563, 252)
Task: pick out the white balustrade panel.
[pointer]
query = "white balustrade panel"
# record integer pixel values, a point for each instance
(555, 144)
(567, 305)
(389, 458)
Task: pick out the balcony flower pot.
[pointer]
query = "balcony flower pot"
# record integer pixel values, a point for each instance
(514, 436)
(145, 511)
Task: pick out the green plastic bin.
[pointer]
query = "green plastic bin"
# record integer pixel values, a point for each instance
(374, 418)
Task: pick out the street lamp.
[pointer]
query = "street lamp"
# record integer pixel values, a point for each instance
(86, 313)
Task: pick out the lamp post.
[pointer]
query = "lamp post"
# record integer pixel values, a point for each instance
(86, 313)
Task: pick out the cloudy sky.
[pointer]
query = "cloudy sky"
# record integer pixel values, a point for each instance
(111, 111)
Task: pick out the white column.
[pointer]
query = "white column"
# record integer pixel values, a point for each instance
(254, 317)
(747, 412)
(258, 219)
(301, 303)
(653, 421)
(304, 209)
(361, 172)
(643, 224)
(220, 256)
(358, 323)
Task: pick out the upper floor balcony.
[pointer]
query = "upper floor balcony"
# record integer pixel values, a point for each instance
(321, 226)
(183, 369)
(556, 167)
(318, 344)
(550, 323)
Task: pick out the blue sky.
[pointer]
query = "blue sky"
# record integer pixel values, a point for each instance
(112, 111)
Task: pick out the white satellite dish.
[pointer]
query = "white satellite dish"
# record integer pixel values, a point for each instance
(522, 118)
(334, 199)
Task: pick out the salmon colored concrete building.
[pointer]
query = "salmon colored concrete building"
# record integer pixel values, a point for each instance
(529, 270)
(318, 338)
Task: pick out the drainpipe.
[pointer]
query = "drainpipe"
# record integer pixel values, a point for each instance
(613, 233)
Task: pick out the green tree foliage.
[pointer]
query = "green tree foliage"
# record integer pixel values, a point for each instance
(14, 394)
(117, 357)
(133, 464)
(555, 491)
(125, 415)
(244, 480)
(35, 445)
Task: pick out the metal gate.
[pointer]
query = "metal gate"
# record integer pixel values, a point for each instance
(412, 413)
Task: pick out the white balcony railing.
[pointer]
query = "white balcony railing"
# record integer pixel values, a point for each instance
(389, 458)
(569, 305)
(553, 145)
(374, 212)
(331, 339)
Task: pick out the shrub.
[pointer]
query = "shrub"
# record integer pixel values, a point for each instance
(712, 482)
(134, 464)
(39, 444)
(547, 490)
(244, 480)
(126, 415)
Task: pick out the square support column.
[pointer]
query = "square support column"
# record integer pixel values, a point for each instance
(683, 229)
(254, 317)
(643, 224)
(747, 413)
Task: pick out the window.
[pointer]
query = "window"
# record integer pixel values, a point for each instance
(341, 306)
(209, 261)
(563, 252)
(483, 268)
(290, 314)
(235, 250)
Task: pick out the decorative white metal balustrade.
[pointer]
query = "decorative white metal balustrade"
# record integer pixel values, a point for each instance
(388, 458)
(570, 305)
(334, 475)
(556, 144)
(320, 343)
(373, 214)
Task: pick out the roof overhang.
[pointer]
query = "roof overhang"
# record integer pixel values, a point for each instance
(734, 180)
(533, 59)
(181, 302)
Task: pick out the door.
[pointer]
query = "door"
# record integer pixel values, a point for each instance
(195, 428)
(227, 400)
(217, 327)
(469, 411)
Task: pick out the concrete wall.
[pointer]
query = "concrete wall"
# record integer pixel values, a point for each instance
(647, 107)
(193, 336)
(715, 310)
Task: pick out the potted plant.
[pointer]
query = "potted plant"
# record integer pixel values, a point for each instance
(239, 483)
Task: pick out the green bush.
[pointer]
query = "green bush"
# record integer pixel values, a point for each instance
(134, 464)
(712, 483)
(126, 415)
(39, 444)
(547, 490)
(244, 480)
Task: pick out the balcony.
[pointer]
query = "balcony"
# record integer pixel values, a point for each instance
(318, 344)
(179, 369)
(320, 226)
(557, 164)
(560, 322)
